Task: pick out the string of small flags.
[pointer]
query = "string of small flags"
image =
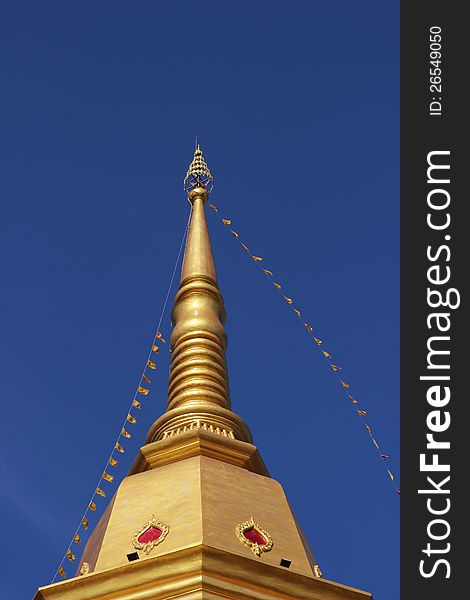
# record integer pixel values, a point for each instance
(335, 368)
(142, 390)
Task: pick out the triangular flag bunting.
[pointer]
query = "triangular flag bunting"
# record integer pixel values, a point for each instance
(69, 555)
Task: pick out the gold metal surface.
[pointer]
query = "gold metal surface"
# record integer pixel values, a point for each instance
(198, 573)
(202, 500)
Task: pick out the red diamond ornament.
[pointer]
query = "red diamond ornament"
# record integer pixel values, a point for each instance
(254, 536)
(150, 535)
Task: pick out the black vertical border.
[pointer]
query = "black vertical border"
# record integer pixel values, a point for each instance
(420, 134)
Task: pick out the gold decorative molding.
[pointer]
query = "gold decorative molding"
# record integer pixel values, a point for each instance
(317, 571)
(199, 442)
(199, 571)
(254, 546)
(84, 569)
(199, 424)
(198, 173)
(147, 547)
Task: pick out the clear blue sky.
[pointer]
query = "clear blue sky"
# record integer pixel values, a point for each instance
(296, 106)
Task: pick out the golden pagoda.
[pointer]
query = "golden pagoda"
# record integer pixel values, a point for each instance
(198, 516)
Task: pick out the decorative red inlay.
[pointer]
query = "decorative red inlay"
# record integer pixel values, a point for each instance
(150, 535)
(254, 536)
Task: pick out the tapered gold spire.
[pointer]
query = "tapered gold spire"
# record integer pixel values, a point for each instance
(198, 258)
(198, 390)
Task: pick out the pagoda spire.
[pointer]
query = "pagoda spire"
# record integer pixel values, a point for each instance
(198, 259)
(198, 390)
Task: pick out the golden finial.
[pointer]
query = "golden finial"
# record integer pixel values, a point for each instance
(198, 173)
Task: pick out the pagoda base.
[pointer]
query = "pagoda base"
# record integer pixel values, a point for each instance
(198, 573)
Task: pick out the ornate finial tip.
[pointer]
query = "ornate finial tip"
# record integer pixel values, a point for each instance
(198, 174)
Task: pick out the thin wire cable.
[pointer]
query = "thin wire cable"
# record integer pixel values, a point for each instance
(133, 399)
(227, 223)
